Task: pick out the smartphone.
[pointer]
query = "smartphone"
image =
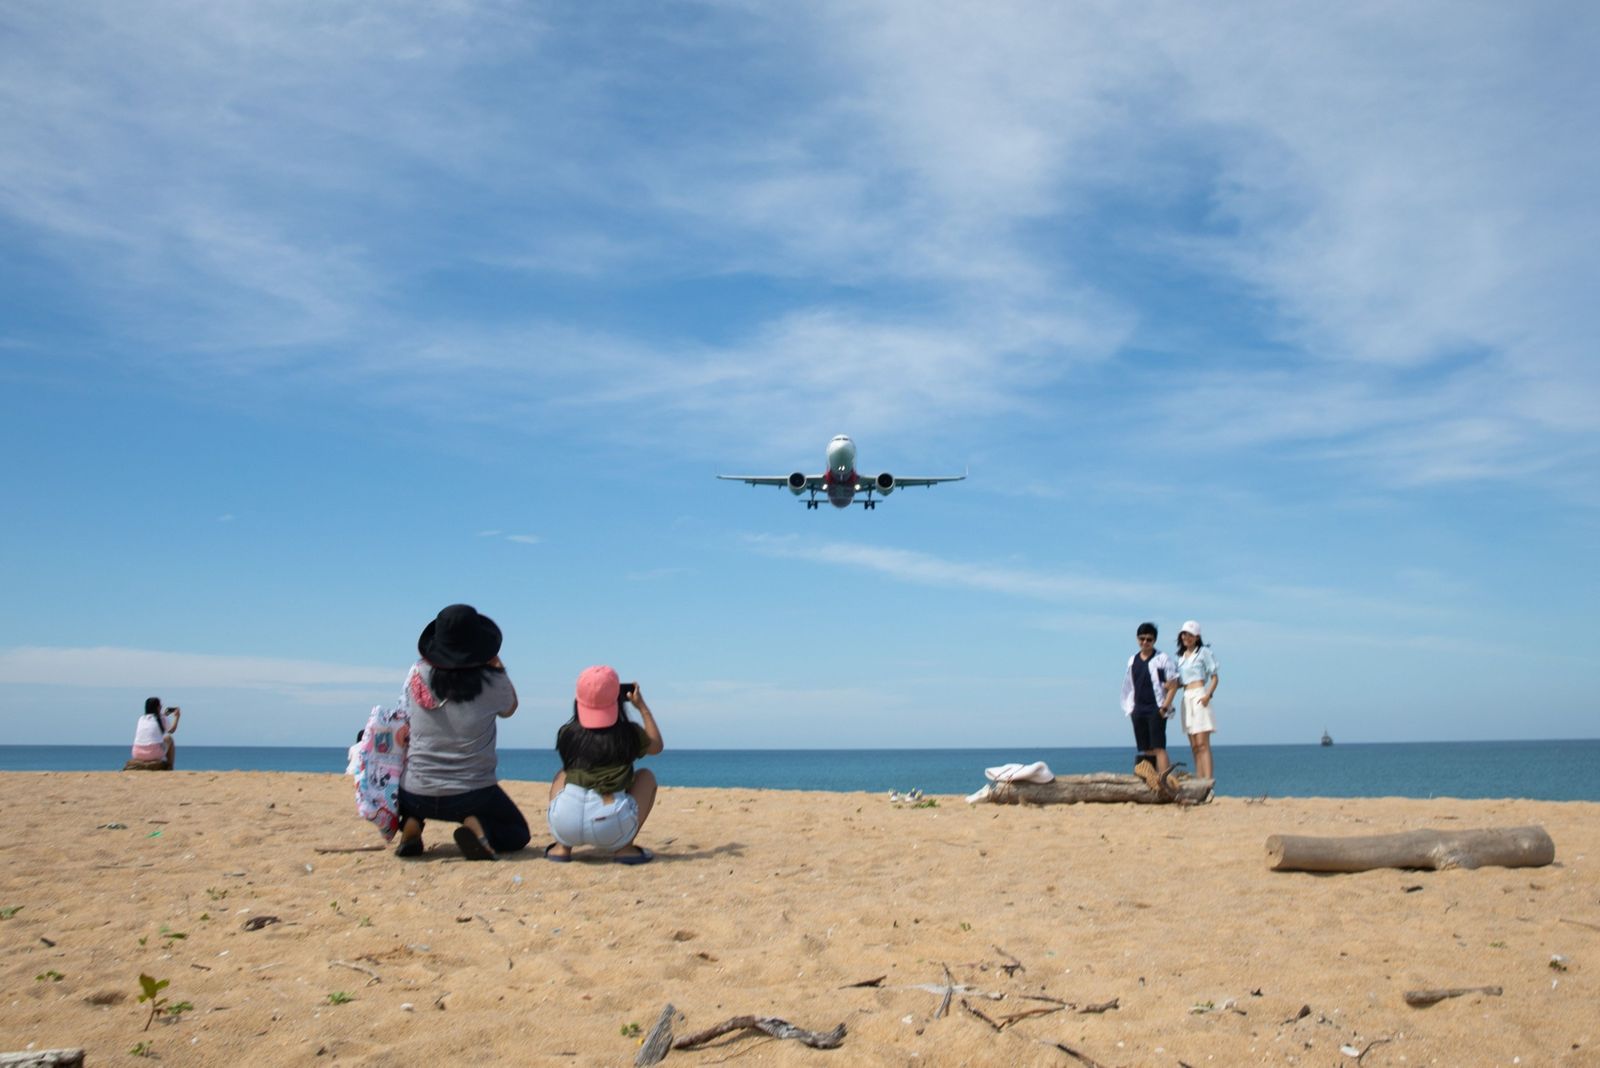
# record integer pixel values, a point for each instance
(626, 693)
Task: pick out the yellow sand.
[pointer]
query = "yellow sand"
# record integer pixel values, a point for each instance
(774, 903)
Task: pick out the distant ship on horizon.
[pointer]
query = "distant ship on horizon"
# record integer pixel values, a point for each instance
(1327, 739)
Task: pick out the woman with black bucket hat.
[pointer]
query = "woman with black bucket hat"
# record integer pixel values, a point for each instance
(455, 697)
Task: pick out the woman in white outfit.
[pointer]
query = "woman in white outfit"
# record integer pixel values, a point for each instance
(1197, 672)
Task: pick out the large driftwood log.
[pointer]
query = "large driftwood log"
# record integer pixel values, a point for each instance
(1099, 787)
(44, 1058)
(1503, 847)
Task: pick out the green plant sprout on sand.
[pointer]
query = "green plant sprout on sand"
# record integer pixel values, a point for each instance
(143, 1049)
(631, 1030)
(9, 911)
(49, 976)
(340, 997)
(152, 988)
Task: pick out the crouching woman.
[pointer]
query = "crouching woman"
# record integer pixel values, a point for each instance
(598, 799)
(456, 694)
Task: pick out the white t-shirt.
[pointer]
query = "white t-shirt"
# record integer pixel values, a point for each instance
(150, 731)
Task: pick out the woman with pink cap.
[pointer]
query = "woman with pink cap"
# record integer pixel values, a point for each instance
(598, 799)
(1197, 673)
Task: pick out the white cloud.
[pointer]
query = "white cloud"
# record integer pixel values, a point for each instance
(154, 670)
(1406, 195)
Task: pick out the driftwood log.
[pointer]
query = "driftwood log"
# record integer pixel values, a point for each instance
(146, 765)
(1099, 787)
(44, 1058)
(1502, 847)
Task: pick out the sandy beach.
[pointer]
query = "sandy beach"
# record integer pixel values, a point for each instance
(780, 904)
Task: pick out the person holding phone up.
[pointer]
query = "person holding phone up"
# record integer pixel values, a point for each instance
(598, 799)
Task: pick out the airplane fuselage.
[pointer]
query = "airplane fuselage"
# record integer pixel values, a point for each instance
(840, 478)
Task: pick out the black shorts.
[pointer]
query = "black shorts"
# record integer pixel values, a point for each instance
(1149, 730)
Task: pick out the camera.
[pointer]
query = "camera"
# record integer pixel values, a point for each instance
(626, 692)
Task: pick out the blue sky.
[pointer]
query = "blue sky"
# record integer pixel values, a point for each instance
(316, 317)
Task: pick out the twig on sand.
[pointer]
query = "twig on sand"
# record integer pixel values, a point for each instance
(1104, 1006)
(1420, 999)
(1014, 967)
(1015, 1017)
(376, 978)
(1081, 1058)
(865, 982)
(949, 992)
(1368, 1049)
(658, 1041)
(350, 849)
(1580, 923)
(769, 1025)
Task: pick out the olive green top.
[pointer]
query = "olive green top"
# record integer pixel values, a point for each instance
(612, 779)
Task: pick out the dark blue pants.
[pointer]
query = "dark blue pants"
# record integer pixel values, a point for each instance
(503, 823)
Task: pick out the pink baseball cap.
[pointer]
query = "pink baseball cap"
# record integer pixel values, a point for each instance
(598, 688)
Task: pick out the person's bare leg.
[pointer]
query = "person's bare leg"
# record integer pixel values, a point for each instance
(1200, 746)
(557, 784)
(172, 752)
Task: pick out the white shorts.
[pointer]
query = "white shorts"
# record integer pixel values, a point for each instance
(1196, 716)
(580, 817)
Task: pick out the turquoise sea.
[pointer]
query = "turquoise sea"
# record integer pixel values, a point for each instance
(1543, 770)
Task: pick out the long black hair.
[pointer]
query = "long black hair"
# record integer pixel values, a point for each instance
(459, 684)
(606, 747)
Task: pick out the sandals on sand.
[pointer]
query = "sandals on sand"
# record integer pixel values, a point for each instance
(409, 847)
(643, 856)
(552, 858)
(472, 846)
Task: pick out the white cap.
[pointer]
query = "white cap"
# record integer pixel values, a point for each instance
(1191, 627)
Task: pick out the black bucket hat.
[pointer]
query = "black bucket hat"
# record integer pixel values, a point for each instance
(459, 637)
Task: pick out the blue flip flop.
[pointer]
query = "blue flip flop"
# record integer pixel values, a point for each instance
(555, 859)
(644, 856)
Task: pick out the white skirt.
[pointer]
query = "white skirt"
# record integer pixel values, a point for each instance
(1196, 716)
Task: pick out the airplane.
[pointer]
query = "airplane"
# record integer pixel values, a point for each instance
(840, 483)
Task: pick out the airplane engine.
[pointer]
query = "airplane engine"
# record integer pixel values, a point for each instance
(797, 483)
(884, 483)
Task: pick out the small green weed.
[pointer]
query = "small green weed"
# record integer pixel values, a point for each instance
(1201, 1008)
(152, 988)
(143, 1049)
(49, 976)
(214, 894)
(927, 802)
(9, 911)
(965, 926)
(631, 1030)
(340, 997)
(1497, 945)
(366, 921)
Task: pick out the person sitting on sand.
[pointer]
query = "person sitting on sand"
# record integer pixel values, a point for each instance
(152, 738)
(598, 799)
(455, 696)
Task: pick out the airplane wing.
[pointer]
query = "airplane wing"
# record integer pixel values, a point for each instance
(899, 482)
(813, 482)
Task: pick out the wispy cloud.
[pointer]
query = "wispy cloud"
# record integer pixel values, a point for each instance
(926, 569)
(1401, 204)
(154, 669)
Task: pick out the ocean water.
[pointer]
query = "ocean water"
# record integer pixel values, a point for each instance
(1542, 770)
